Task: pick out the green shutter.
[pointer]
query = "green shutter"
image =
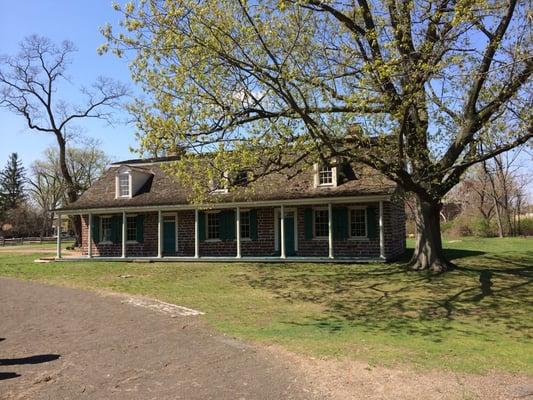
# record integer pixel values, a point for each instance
(308, 223)
(231, 232)
(226, 227)
(96, 229)
(116, 229)
(371, 223)
(201, 225)
(340, 223)
(253, 224)
(139, 223)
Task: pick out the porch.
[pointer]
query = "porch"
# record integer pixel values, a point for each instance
(289, 231)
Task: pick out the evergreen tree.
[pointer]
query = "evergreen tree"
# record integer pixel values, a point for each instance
(12, 180)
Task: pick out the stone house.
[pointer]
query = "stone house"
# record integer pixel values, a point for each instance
(341, 212)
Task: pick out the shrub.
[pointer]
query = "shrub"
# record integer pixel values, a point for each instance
(483, 228)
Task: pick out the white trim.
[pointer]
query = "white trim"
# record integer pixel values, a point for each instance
(174, 216)
(124, 233)
(207, 238)
(90, 236)
(330, 231)
(350, 237)
(282, 230)
(277, 213)
(253, 204)
(101, 230)
(159, 234)
(196, 235)
(238, 231)
(59, 229)
(315, 237)
(381, 232)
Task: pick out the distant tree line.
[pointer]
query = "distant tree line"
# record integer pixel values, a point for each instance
(27, 198)
(490, 201)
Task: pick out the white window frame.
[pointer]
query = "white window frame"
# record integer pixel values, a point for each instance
(118, 194)
(106, 217)
(326, 237)
(246, 238)
(317, 167)
(207, 239)
(350, 209)
(136, 227)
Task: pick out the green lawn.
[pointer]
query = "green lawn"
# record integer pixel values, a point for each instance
(476, 318)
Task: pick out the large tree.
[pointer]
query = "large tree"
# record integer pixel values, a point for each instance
(409, 88)
(12, 180)
(29, 86)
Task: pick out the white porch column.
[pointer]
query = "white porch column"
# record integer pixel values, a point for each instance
(58, 252)
(123, 234)
(196, 235)
(159, 234)
(238, 231)
(381, 232)
(282, 238)
(90, 236)
(330, 231)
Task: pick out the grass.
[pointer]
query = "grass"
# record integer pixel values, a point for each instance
(474, 319)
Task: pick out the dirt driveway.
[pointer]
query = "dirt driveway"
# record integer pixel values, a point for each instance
(62, 343)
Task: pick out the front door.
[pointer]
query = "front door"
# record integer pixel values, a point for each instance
(290, 246)
(169, 235)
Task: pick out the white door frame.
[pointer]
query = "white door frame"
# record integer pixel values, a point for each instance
(175, 215)
(277, 212)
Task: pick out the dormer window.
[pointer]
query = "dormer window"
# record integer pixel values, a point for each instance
(124, 185)
(325, 175)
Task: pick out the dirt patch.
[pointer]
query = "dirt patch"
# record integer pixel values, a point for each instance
(352, 380)
(63, 343)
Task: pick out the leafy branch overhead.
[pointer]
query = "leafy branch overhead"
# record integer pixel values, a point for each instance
(419, 90)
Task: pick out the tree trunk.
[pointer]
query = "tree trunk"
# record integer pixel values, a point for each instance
(72, 193)
(428, 254)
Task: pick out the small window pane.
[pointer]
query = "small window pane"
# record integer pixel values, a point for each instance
(321, 223)
(358, 223)
(325, 175)
(106, 229)
(124, 185)
(131, 229)
(245, 224)
(212, 226)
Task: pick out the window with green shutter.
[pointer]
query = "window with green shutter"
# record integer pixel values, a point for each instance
(308, 223)
(372, 222)
(96, 229)
(226, 223)
(253, 224)
(201, 225)
(340, 223)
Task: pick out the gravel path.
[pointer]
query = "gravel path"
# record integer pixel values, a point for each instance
(62, 343)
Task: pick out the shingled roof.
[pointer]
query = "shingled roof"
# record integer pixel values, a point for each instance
(163, 189)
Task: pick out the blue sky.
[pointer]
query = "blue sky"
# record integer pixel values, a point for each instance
(60, 20)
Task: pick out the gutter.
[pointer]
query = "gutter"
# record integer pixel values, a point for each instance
(243, 204)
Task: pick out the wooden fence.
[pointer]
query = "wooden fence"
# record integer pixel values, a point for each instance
(30, 240)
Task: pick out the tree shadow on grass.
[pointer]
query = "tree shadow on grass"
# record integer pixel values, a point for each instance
(485, 289)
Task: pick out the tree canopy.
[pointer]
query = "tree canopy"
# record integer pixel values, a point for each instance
(411, 88)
